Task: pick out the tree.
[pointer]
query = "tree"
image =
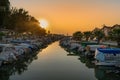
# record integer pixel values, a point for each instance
(77, 35)
(4, 10)
(20, 21)
(1, 34)
(99, 35)
(115, 35)
(87, 35)
(17, 20)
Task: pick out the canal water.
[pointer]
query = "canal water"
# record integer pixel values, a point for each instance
(54, 63)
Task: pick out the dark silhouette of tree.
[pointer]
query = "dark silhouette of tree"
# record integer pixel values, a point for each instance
(99, 35)
(77, 35)
(115, 35)
(4, 10)
(1, 34)
(20, 21)
(17, 20)
(87, 35)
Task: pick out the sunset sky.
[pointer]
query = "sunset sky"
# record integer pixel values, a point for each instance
(68, 16)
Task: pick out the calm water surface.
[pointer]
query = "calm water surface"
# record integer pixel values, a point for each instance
(53, 63)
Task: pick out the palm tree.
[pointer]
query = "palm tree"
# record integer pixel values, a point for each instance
(87, 35)
(77, 35)
(99, 35)
(115, 35)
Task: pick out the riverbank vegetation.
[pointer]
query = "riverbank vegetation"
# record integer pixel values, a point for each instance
(100, 35)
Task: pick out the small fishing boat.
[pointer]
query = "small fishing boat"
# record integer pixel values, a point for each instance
(107, 56)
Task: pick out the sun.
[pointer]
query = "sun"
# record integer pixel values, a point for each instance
(43, 23)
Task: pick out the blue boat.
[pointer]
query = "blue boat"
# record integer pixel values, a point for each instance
(107, 56)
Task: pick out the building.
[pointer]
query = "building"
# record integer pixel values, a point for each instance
(4, 9)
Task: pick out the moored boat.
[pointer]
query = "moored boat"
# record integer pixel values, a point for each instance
(107, 56)
(90, 50)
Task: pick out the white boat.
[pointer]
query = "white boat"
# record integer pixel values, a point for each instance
(74, 46)
(20, 50)
(7, 53)
(107, 56)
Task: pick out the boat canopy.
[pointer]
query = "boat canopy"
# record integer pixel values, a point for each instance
(88, 43)
(109, 50)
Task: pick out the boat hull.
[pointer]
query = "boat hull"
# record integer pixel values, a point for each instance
(106, 63)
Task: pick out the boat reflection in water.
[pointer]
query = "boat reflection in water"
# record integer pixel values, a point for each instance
(101, 72)
(19, 67)
(107, 73)
(87, 62)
